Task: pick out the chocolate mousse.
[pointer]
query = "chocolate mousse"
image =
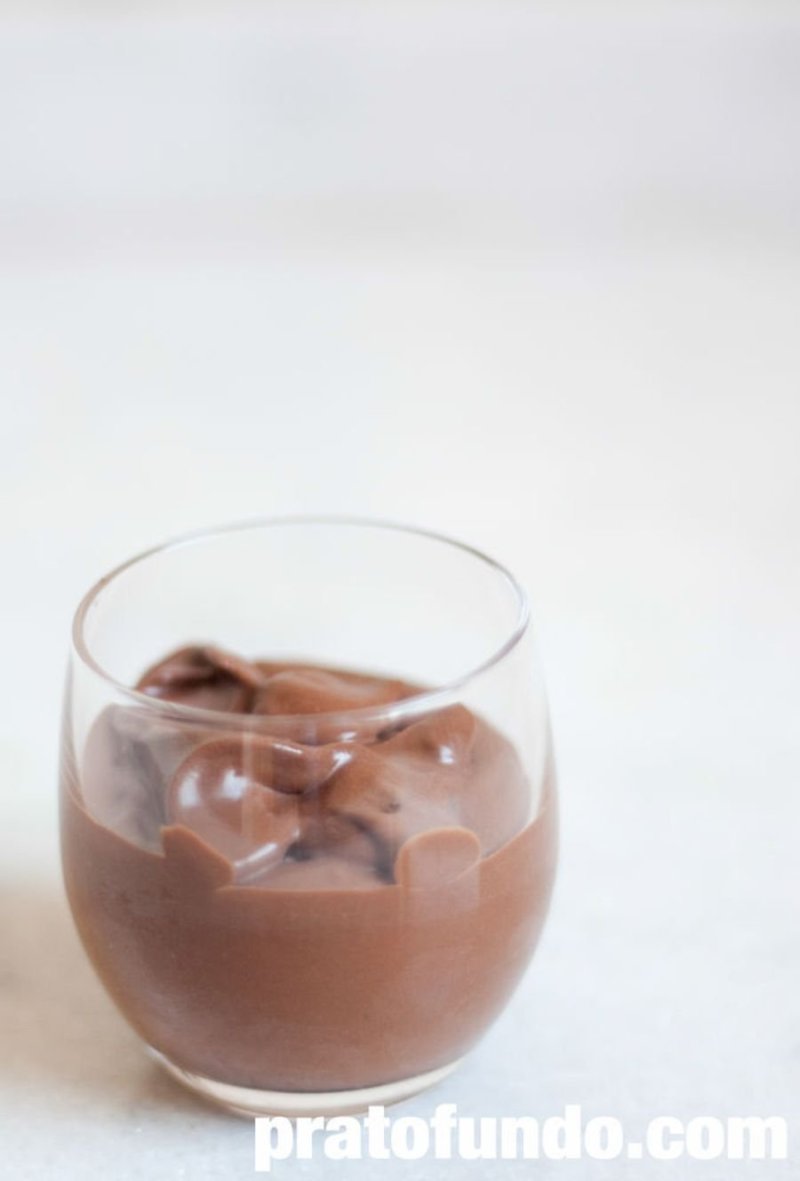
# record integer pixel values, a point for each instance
(321, 885)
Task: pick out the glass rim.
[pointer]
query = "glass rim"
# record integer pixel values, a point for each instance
(425, 699)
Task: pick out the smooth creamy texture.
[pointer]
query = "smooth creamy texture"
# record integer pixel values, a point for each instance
(334, 906)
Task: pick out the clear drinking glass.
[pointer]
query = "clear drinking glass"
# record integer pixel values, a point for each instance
(307, 889)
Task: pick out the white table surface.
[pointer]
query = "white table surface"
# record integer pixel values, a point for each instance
(525, 274)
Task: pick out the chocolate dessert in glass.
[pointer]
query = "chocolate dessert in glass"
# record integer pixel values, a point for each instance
(308, 806)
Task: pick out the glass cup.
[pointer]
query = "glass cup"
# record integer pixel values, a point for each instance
(310, 850)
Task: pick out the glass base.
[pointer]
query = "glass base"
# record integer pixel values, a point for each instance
(250, 1102)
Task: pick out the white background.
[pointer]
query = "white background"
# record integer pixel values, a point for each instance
(525, 273)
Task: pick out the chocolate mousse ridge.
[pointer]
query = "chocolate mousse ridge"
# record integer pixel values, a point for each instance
(284, 812)
(209, 677)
